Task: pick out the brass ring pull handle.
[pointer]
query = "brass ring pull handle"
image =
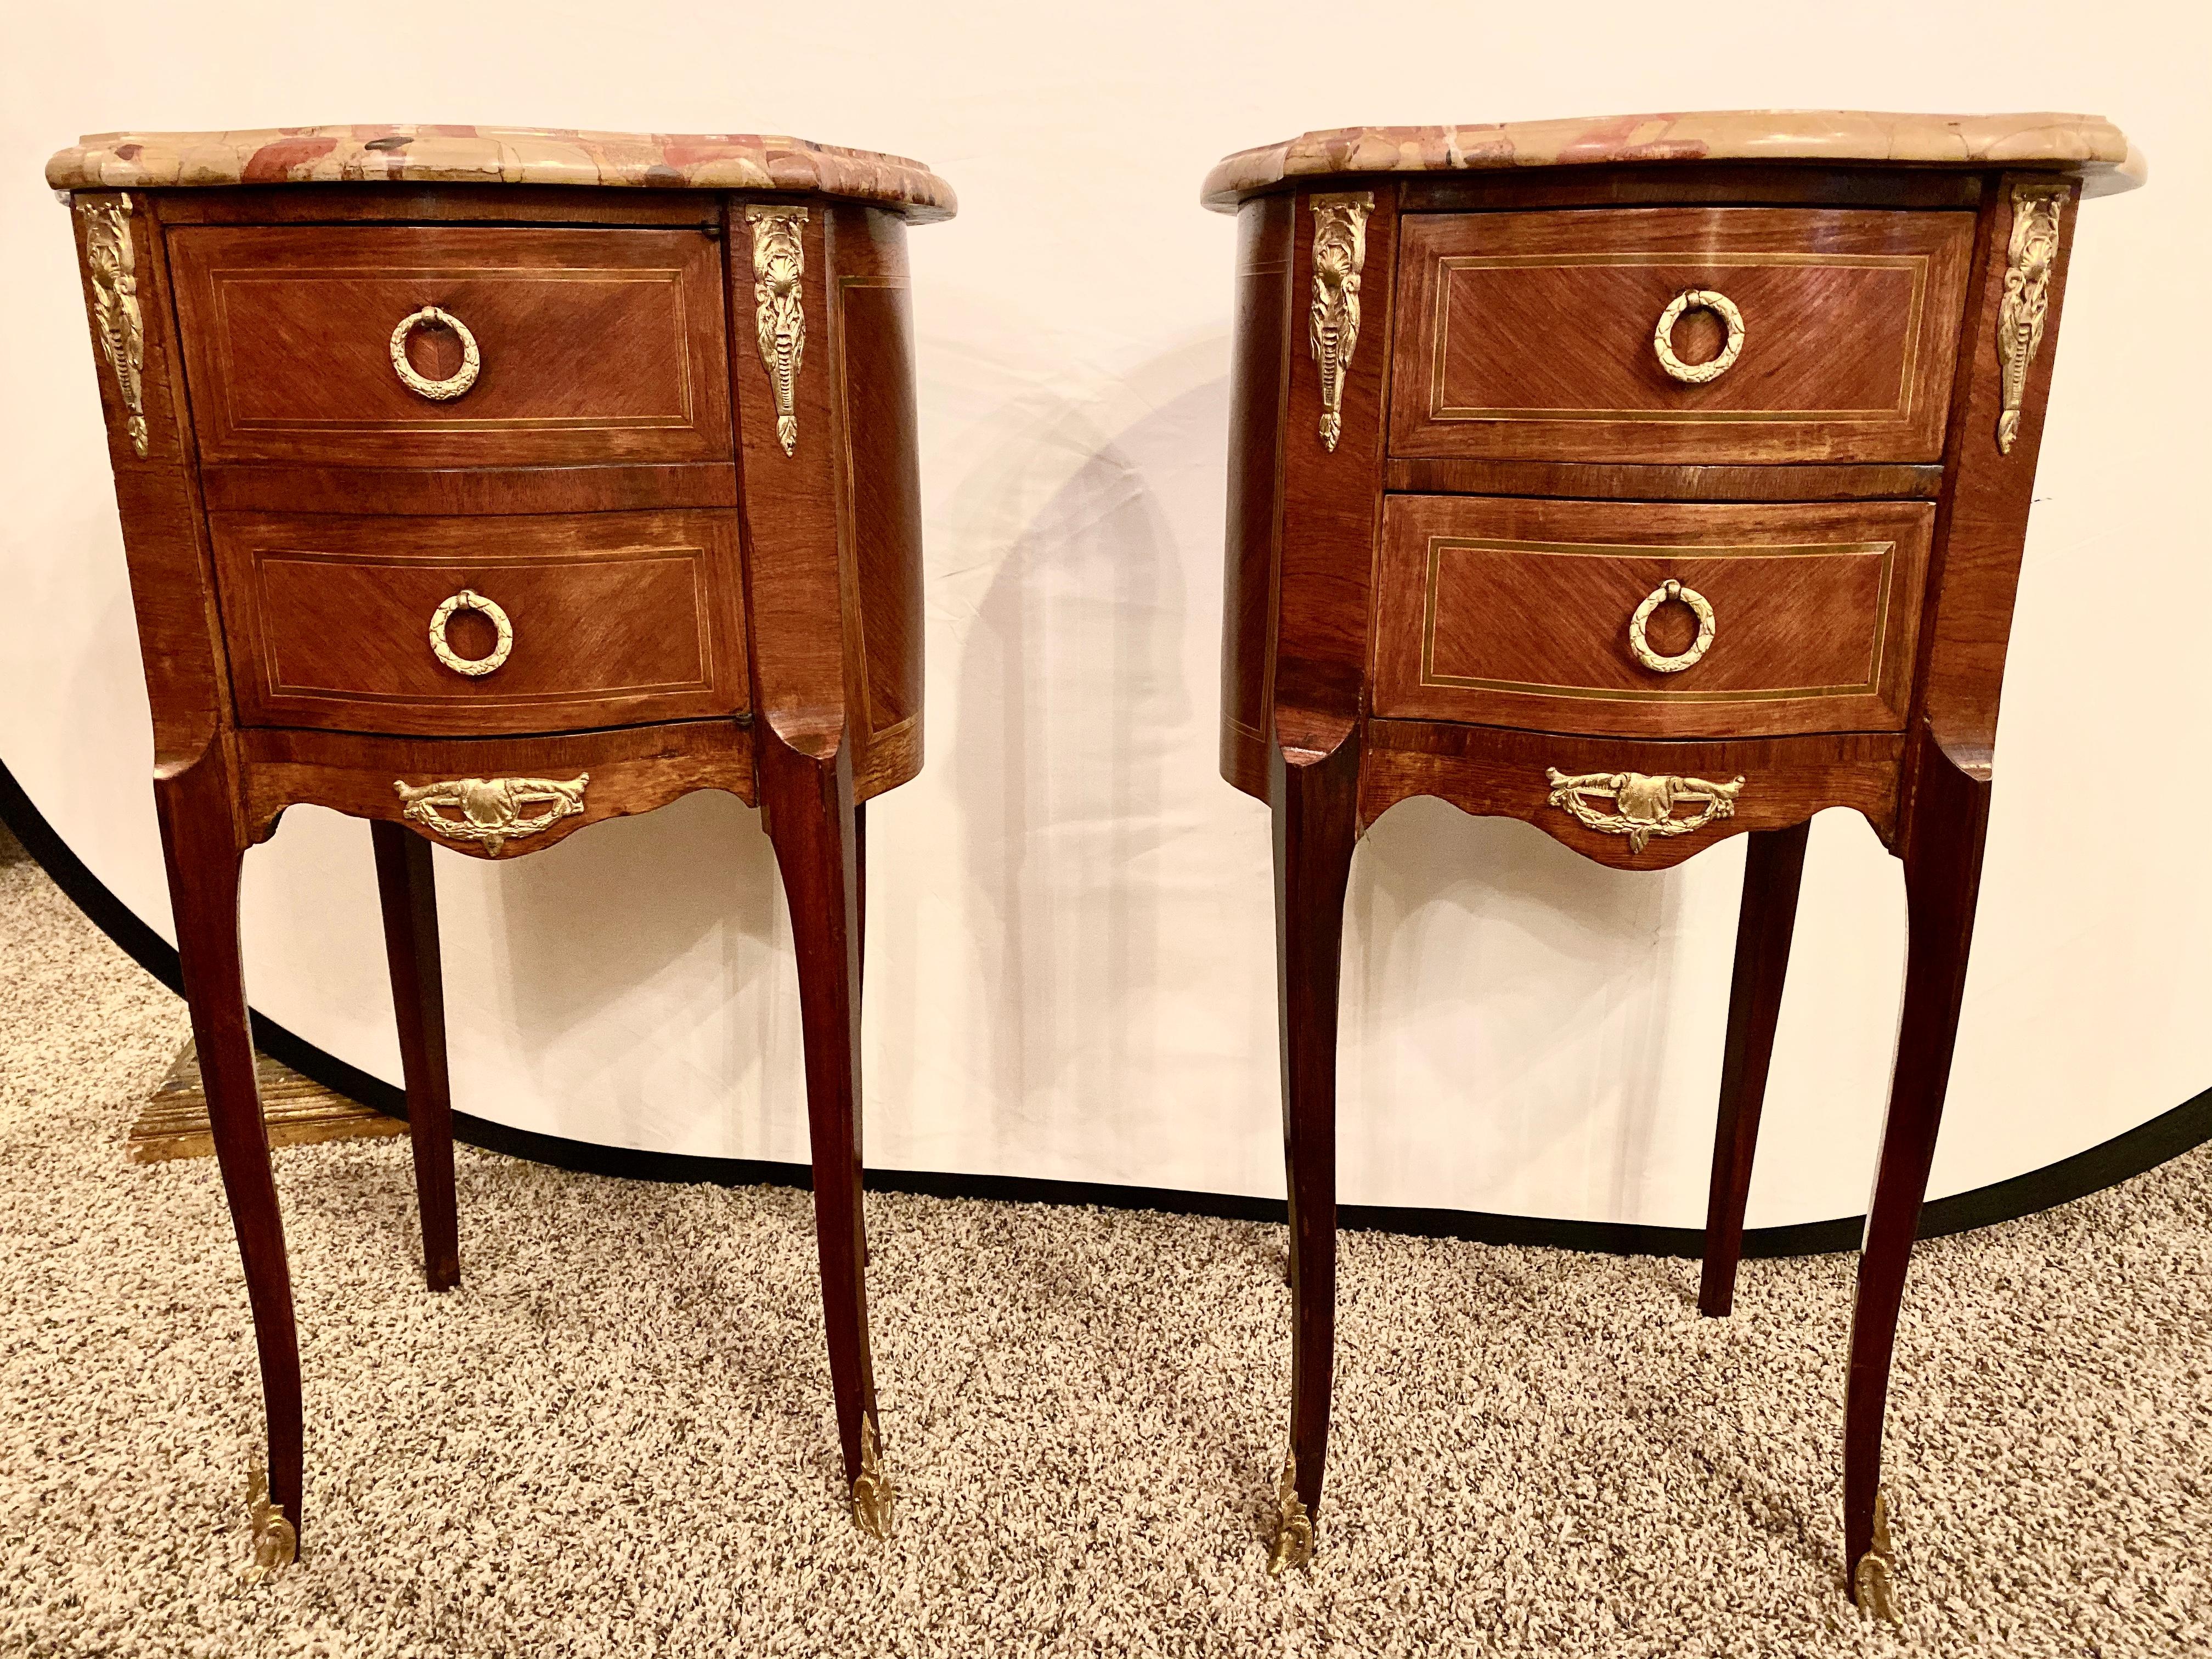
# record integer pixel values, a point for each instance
(1671, 589)
(465, 600)
(1663, 338)
(438, 392)
(1643, 805)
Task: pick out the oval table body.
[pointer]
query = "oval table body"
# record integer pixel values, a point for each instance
(1652, 480)
(486, 484)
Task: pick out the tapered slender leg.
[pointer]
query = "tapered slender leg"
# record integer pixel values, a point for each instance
(204, 850)
(1773, 869)
(860, 928)
(811, 820)
(1942, 878)
(1315, 822)
(406, 889)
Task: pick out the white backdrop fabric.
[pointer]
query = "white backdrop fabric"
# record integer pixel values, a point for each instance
(1069, 954)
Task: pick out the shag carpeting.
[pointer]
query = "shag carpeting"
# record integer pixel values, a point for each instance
(614, 1439)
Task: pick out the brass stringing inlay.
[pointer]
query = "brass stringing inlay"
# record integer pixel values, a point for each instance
(1645, 803)
(1294, 1532)
(2021, 313)
(275, 1541)
(779, 311)
(1340, 251)
(491, 809)
(113, 263)
(1915, 264)
(874, 1494)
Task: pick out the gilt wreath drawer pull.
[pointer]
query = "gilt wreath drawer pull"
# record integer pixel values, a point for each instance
(473, 667)
(1643, 805)
(1671, 589)
(421, 385)
(492, 811)
(1663, 338)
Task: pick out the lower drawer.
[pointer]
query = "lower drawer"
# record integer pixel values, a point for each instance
(481, 626)
(1649, 619)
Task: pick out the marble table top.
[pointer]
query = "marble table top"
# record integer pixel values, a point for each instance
(2086, 144)
(498, 155)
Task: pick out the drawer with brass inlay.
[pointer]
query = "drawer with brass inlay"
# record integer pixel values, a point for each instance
(1686, 334)
(444, 626)
(1648, 620)
(443, 345)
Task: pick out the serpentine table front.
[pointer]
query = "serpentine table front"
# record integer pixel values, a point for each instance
(486, 484)
(1651, 479)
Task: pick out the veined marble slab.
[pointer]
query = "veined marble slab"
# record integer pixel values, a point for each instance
(2086, 144)
(498, 155)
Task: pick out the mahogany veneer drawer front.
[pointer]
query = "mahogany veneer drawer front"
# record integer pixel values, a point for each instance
(1549, 335)
(1531, 613)
(373, 625)
(544, 345)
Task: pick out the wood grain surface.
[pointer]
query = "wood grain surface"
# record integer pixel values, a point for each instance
(1332, 506)
(595, 344)
(1775, 481)
(1497, 774)
(1259, 380)
(1516, 612)
(273, 487)
(615, 618)
(873, 334)
(1529, 334)
(632, 770)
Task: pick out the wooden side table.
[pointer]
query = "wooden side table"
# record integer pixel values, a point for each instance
(1651, 480)
(486, 484)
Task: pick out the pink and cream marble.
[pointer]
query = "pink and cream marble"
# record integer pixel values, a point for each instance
(498, 155)
(2086, 144)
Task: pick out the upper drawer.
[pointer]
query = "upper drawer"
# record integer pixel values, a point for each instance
(1650, 619)
(1534, 336)
(481, 627)
(588, 345)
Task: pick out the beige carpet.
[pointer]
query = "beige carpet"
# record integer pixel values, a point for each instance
(614, 1440)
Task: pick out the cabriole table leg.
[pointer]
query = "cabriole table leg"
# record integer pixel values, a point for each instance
(812, 822)
(1315, 827)
(1943, 877)
(205, 852)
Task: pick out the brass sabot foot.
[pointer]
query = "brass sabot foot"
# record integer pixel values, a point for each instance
(1294, 1532)
(1873, 1581)
(874, 1495)
(275, 1543)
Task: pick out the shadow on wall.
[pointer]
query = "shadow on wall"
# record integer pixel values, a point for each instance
(1470, 940)
(1082, 766)
(625, 916)
(1071, 689)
